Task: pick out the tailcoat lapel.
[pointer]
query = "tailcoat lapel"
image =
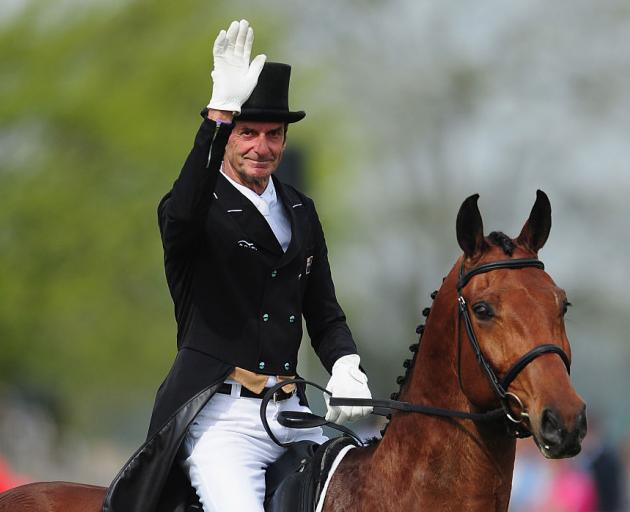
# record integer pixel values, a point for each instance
(246, 215)
(297, 215)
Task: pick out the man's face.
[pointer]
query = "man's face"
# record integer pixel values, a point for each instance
(254, 151)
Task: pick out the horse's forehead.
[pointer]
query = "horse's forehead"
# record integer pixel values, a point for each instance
(530, 278)
(521, 283)
(494, 252)
(506, 282)
(524, 298)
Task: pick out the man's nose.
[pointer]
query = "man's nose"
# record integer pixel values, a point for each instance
(262, 146)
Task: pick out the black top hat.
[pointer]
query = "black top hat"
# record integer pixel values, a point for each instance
(269, 100)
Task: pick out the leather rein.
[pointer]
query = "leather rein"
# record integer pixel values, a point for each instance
(499, 386)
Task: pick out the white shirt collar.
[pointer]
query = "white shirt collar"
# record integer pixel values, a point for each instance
(262, 202)
(268, 205)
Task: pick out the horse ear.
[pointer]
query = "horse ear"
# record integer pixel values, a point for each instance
(536, 230)
(470, 228)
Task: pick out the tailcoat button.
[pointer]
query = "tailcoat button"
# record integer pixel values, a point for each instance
(261, 365)
(292, 318)
(274, 273)
(287, 366)
(265, 317)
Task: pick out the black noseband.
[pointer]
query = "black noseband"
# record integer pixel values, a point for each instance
(530, 356)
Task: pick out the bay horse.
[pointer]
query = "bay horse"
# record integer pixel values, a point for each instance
(497, 313)
(494, 349)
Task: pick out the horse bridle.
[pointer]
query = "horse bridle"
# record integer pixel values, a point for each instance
(499, 386)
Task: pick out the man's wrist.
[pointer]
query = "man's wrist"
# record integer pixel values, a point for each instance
(220, 116)
(349, 360)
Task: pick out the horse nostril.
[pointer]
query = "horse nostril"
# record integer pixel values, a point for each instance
(551, 429)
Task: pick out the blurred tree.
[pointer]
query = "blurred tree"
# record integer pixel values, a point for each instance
(99, 108)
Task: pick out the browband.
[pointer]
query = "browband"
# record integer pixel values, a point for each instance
(487, 267)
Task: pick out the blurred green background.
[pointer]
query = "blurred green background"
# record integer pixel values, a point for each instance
(411, 106)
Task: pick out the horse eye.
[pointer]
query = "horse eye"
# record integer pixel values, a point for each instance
(565, 307)
(483, 311)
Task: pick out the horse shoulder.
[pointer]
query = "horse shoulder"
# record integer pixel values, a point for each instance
(347, 490)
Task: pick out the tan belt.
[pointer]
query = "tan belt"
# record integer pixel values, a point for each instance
(256, 382)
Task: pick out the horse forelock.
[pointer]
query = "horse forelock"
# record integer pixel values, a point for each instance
(500, 239)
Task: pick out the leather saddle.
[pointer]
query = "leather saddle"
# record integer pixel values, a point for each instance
(296, 480)
(294, 483)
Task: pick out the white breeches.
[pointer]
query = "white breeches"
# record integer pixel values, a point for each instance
(226, 451)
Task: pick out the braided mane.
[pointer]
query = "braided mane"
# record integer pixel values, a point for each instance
(408, 365)
(497, 238)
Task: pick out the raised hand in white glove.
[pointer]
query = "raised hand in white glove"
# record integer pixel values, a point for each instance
(233, 77)
(347, 381)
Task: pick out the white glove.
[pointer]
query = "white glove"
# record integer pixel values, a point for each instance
(347, 381)
(233, 77)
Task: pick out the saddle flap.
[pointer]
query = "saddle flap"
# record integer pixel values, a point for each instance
(290, 462)
(299, 478)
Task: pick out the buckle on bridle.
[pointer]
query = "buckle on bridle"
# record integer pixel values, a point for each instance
(519, 416)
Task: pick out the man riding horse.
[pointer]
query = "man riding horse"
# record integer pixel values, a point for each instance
(245, 258)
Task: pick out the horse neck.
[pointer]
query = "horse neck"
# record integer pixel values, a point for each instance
(458, 460)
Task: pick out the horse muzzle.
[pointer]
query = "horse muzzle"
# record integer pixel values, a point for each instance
(557, 438)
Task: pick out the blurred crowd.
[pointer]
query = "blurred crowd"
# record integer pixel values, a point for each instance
(597, 480)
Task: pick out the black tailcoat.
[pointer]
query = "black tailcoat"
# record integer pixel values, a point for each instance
(239, 301)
